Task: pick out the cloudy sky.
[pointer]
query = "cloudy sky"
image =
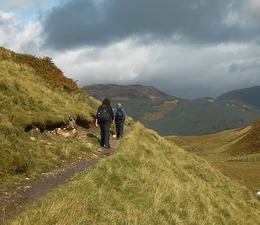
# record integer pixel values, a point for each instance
(188, 48)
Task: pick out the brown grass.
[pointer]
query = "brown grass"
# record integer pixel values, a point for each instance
(43, 67)
(234, 152)
(250, 143)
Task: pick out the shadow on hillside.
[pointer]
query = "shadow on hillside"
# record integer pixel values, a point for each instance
(93, 136)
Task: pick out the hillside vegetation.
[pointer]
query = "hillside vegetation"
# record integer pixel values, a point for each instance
(248, 95)
(169, 115)
(34, 94)
(235, 152)
(249, 143)
(150, 182)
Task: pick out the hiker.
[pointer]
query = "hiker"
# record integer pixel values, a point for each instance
(104, 118)
(120, 116)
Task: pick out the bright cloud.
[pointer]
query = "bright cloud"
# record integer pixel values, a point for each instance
(25, 4)
(20, 37)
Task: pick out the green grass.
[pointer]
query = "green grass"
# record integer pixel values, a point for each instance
(149, 182)
(29, 97)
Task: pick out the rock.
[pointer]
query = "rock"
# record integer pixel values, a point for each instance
(65, 134)
(33, 138)
(258, 194)
(74, 131)
(94, 156)
(27, 187)
(62, 133)
(72, 124)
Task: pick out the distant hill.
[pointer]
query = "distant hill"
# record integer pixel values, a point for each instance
(170, 115)
(117, 92)
(249, 96)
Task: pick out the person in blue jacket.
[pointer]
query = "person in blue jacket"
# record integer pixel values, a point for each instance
(120, 116)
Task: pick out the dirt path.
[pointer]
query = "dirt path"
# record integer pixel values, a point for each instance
(14, 201)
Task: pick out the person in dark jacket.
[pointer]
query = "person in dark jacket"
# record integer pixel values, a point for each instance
(104, 119)
(120, 116)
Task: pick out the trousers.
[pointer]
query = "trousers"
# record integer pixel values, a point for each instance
(119, 128)
(105, 133)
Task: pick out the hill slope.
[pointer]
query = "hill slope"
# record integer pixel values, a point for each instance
(150, 182)
(34, 94)
(235, 152)
(250, 96)
(249, 143)
(174, 116)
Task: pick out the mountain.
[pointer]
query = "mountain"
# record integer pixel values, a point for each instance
(235, 152)
(139, 101)
(250, 96)
(175, 116)
(121, 92)
(149, 180)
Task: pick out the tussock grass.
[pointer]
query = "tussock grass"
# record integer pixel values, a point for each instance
(31, 95)
(148, 181)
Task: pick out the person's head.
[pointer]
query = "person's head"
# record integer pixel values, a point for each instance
(106, 101)
(119, 105)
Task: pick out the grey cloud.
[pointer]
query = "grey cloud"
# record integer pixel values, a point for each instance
(183, 71)
(93, 22)
(247, 66)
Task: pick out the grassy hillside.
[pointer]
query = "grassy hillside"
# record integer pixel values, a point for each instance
(169, 115)
(249, 143)
(203, 116)
(248, 95)
(35, 93)
(235, 152)
(151, 182)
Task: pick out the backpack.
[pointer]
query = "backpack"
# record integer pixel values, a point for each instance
(119, 114)
(103, 114)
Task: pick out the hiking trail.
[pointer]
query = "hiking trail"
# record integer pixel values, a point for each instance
(15, 200)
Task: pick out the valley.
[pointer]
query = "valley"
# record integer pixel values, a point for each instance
(236, 153)
(170, 115)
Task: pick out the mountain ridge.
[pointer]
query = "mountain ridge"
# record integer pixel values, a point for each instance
(124, 91)
(249, 96)
(170, 115)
